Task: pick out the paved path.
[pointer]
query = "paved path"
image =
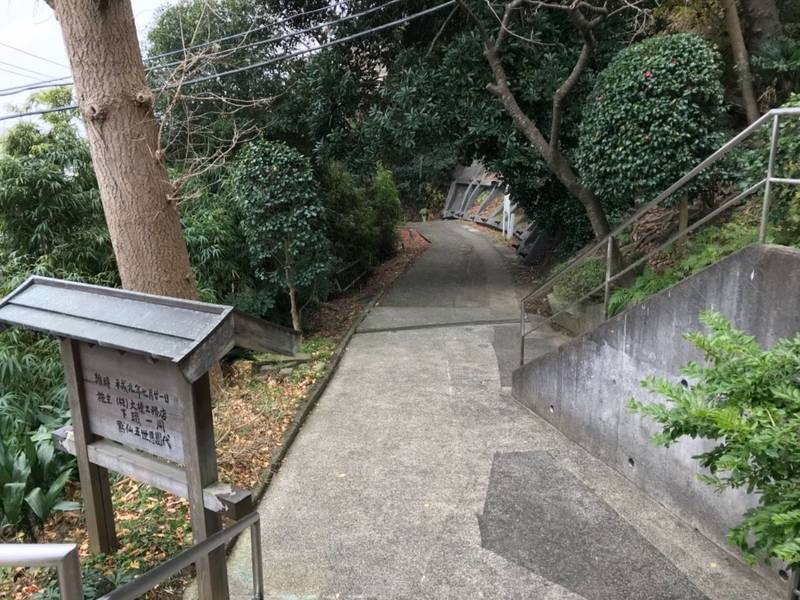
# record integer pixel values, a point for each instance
(417, 476)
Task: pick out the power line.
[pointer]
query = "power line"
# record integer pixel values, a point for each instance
(319, 47)
(18, 89)
(243, 33)
(42, 111)
(58, 64)
(36, 86)
(274, 60)
(26, 69)
(279, 38)
(19, 74)
(301, 31)
(287, 35)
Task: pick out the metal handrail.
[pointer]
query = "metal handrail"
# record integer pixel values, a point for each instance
(165, 570)
(64, 557)
(608, 240)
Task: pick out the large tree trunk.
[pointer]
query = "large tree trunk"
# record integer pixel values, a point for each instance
(765, 21)
(117, 108)
(741, 59)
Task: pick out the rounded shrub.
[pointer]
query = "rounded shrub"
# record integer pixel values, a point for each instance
(282, 219)
(655, 112)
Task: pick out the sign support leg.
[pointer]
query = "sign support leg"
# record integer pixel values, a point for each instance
(201, 471)
(95, 487)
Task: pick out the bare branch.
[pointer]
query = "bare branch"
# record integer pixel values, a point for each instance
(441, 30)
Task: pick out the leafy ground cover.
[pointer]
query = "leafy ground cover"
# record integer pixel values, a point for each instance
(252, 413)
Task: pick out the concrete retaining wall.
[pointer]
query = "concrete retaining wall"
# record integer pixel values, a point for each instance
(583, 387)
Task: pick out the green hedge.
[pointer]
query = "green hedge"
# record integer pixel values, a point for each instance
(655, 112)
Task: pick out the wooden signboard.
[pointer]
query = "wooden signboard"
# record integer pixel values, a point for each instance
(133, 400)
(136, 372)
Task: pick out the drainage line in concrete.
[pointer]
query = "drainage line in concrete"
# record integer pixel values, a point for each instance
(439, 325)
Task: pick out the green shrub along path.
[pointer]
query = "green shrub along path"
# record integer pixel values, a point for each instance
(417, 476)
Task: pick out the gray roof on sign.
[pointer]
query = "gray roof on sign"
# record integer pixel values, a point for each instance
(193, 335)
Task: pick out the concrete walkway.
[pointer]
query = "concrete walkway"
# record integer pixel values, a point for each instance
(418, 476)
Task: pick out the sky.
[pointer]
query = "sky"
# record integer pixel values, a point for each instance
(31, 26)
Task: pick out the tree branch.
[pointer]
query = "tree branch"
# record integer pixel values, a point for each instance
(571, 81)
(504, 23)
(441, 30)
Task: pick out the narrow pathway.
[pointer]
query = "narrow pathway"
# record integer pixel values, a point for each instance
(418, 476)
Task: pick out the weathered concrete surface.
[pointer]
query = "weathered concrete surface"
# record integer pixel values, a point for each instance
(462, 279)
(412, 479)
(532, 497)
(582, 389)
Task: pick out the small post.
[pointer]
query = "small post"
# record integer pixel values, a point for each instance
(95, 487)
(255, 555)
(773, 147)
(607, 287)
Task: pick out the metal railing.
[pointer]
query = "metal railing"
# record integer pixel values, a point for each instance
(65, 558)
(164, 571)
(773, 116)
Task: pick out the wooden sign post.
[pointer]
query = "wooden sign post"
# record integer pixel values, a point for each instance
(136, 368)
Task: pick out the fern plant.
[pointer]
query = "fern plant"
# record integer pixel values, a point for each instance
(747, 400)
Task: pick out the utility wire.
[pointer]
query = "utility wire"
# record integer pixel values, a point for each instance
(243, 33)
(42, 111)
(40, 84)
(26, 69)
(18, 74)
(58, 64)
(19, 89)
(264, 63)
(319, 47)
(298, 32)
(36, 86)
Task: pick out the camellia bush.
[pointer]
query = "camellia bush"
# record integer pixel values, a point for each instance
(282, 219)
(656, 111)
(747, 400)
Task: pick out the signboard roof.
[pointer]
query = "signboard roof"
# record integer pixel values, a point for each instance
(192, 335)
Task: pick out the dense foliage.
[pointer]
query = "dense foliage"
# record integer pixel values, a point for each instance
(747, 402)
(50, 208)
(700, 251)
(51, 224)
(282, 221)
(656, 113)
(350, 219)
(581, 280)
(746, 167)
(388, 212)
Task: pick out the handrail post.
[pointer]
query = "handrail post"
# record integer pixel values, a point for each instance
(522, 333)
(607, 287)
(762, 231)
(255, 554)
(69, 576)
